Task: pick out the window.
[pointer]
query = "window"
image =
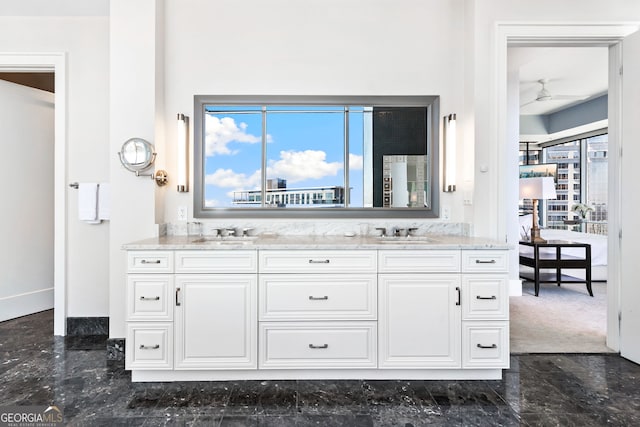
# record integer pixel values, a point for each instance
(318, 156)
(588, 156)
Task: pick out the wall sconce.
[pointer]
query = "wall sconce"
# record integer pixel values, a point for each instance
(537, 188)
(183, 153)
(449, 153)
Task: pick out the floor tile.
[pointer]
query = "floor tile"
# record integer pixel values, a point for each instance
(37, 368)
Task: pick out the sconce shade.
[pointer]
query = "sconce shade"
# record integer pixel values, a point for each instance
(183, 153)
(537, 188)
(450, 153)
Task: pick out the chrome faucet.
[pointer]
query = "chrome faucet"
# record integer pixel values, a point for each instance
(231, 231)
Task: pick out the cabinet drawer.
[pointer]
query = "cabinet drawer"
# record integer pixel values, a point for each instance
(216, 261)
(150, 261)
(485, 261)
(419, 261)
(485, 297)
(318, 345)
(149, 297)
(317, 261)
(319, 297)
(485, 344)
(149, 346)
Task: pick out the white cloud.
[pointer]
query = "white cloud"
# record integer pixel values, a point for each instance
(355, 161)
(221, 131)
(227, 178)
(294, 166)
(297, 166)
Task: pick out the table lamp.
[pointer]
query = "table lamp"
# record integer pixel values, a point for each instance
(535, 189)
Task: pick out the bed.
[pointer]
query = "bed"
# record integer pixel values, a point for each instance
(598, 244)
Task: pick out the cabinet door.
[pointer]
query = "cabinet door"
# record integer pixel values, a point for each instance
(216, 321)
(419, 320)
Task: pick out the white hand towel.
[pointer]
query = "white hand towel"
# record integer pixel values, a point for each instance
(88, 202)
(104, 201)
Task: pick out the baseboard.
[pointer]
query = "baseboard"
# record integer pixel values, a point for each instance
(27, 303)
(81, 326)
(515, 287)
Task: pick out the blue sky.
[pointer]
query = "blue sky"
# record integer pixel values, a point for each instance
(305, 149)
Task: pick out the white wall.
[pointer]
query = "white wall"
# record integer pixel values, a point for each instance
(315, 47)
(136, 91)
(85, 40)
(490, 212)
(26, 169)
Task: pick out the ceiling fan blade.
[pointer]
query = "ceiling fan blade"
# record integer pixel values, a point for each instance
(569, 97)
(527, 103)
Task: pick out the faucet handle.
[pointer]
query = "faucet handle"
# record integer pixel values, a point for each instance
(383, 231)
(216, 232)
(231, 231)
(411, 231)
(246, 231)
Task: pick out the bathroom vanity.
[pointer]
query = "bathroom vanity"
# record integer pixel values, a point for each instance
(316, 308)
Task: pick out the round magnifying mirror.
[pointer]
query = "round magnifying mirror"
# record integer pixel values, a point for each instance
(137, 154)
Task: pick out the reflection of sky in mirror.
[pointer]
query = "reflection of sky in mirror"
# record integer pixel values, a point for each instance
(304, 146)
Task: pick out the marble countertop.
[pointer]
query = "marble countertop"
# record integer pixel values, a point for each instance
(314, 242)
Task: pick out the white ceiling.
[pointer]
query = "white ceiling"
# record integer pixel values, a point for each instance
(571, 71)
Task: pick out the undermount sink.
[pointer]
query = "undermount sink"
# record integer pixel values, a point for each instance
(212, 240)
(406, 240)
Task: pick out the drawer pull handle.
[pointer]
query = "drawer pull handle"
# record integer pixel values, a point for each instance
(177, 294)
(458, 291)
(320, 261)
(146, 261)
(319, 346)
(491, 261)
(487, 346)
(149, 347)
(491, 297)
(312, 298)
(143, 298)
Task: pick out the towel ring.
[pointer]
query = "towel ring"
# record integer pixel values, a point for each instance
(137, 155)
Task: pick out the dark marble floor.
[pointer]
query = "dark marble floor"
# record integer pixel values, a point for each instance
(538, 390)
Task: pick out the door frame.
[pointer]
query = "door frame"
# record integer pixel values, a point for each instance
(55, 62)
(546, 34)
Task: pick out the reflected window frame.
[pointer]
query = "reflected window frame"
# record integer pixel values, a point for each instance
(431, 103)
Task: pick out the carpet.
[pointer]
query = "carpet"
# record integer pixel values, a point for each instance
(563, 319)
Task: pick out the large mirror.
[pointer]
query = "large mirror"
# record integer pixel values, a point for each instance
(316, 157)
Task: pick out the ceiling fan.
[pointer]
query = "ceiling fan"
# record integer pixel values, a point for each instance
(544, 95)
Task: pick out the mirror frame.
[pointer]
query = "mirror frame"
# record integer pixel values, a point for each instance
(432, 103)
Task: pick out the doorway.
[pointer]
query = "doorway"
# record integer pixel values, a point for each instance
(53, 63)
(561, 35)
(562, 101)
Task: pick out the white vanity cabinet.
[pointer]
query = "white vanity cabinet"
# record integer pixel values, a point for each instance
(485, 309)
(149, 308)
(191, 310)
(267, 313)
(420, 309)
(216, 310)
(318, 309)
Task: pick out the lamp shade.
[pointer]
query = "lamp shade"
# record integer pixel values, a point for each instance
(537, 188)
